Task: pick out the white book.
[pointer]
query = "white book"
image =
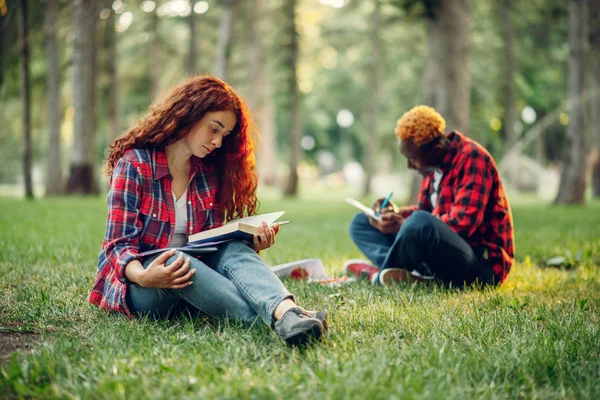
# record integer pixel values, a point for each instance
(368, 211)
(238, 229)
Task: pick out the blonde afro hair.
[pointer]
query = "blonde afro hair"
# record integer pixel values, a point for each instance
(421, 124)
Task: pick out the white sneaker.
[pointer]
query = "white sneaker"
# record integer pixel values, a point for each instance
(390, 275)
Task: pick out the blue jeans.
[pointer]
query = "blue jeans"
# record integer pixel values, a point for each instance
(232, 282)
(424, 243)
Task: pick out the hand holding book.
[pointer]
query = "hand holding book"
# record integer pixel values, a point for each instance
(266, 236)
(245, 229)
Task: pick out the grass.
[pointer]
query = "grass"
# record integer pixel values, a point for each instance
(535, 337)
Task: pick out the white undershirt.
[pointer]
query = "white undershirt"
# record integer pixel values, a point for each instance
(437, 178)
(181, 218)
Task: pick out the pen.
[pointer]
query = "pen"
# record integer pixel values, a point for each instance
(385, 203)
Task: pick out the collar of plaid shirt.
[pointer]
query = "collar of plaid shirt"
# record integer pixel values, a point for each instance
(160, 166)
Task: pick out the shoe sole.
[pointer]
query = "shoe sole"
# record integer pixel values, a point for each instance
(303, 337)
(394, 275)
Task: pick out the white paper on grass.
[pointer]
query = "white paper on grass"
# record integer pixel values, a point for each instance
(313, 266)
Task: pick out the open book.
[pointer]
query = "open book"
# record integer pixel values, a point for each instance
(239, 229)
(368, 211)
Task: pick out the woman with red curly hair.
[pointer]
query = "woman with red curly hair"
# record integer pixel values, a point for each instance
(186, 167)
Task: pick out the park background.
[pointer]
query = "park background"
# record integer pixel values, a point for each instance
(326, 81)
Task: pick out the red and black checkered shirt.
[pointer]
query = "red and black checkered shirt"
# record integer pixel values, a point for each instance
(141, 217)
(472, 202)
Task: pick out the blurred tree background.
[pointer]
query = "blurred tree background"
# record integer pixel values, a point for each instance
(325, 79)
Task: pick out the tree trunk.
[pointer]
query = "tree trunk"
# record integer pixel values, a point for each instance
(508, 75)
(432, 89)
(259, 94)
(113, 76)
(572, 181)
(291, 188)
(193, 43)
(594, 40)
(153, 55)
(446, 79)
(374, 74)
(54, 167)
(81, 178)
(3, 24)
(224, 40)
(452, 30)
(25, 94)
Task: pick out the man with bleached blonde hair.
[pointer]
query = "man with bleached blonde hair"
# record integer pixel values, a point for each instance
(461, 232)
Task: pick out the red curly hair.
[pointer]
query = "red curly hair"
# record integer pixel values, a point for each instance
(169, 120)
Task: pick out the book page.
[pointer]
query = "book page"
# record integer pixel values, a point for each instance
(256, 220)
(367, 210)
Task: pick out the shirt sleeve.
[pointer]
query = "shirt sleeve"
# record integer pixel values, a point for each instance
(472, 192)
(124, 225)
(407, 211)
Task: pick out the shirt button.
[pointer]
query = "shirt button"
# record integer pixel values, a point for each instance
(189, 202)
(154, 215)
(210, 204)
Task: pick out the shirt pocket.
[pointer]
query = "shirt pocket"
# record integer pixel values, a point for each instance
(155, 221)
(203, 212)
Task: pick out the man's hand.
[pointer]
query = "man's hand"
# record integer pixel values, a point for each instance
(176, 275)
(391, 207)
(390, 222)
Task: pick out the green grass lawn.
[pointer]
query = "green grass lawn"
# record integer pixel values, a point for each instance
(537, 336)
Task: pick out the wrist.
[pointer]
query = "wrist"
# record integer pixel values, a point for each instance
(134, 271)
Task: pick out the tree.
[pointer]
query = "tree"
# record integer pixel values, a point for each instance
(449, 34)
(154, 55)
(572, 180)
(289, 8)
(224, 41)
(193, 45)
(54, 184)
(81, 178)
(509, 69)
(25, 94)
(594, 40)
(374, 74)
(110, 43)
(446, 77)
(259, 93)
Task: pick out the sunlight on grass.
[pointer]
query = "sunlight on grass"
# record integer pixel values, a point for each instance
(535, 336)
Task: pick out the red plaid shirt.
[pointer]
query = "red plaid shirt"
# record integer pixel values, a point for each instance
(472, 202)
(141, 217)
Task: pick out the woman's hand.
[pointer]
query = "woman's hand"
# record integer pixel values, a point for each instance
(176, 275)
(266, 238)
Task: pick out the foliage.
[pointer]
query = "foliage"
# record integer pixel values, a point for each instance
(534, 337)
(335, 53)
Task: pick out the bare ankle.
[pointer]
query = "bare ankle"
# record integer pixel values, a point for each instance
(283, 307)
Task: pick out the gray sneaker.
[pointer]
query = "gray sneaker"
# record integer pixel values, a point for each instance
(297, 327)
(321, 316)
